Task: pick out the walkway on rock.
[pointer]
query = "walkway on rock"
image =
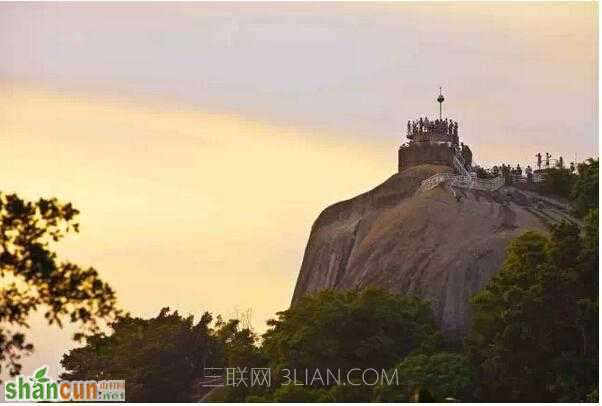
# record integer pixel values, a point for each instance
(462, 181)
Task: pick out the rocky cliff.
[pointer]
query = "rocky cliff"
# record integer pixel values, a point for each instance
(433, 245)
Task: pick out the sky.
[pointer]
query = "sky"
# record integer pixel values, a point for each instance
(201, 140)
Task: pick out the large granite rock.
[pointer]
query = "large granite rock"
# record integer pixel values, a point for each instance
(434, 245)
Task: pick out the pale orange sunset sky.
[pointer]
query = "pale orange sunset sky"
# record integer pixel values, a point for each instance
(200, 141)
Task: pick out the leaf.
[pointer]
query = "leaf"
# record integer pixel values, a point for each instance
(43, 380)
(40, 373)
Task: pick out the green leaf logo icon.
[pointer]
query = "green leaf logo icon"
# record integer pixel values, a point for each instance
(40, 374)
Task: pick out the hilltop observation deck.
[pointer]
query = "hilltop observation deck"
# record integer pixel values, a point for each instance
(434, 142)
(425, 130)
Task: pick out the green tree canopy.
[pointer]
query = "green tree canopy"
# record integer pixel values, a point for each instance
(535, 323)
(237, 344)
(558, 181)
(162, 358)
(159, 358)
(585, 189)
(368, 329)
(33, 278)
(437, 377)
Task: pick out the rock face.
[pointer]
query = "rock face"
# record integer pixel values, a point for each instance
(432, 245)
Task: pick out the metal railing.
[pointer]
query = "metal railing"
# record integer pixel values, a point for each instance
(434, 181)
(462, 181)
(459, 164)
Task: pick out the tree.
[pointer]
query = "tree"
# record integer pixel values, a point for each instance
(32, 277)
(482, 173)
(294, 393)
(558, 181)
(336, 331)
(535, 323)
(159, 358)
(368, 329)
(239, 351)
(238, 344)
(585, 189)
(347, 393)
(163, 357)
(437, 377)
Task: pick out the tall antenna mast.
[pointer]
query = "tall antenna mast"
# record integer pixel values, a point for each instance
(440, 99)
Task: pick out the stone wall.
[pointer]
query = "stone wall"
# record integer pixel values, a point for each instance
(424, 153)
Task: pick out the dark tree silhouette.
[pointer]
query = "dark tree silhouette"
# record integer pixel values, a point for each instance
(163, 359)
(33, 279)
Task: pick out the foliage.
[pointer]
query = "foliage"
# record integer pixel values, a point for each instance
(368, 329)
(440, 376)
(32, 277)
(162, 357)
(558, 181)
(237, 344)
(535, 324)
(356, 392)
(483, 173)
(585, 189)
(159, 358)
(339, 331)
(238, 349)
(298, 392)
(295, 393)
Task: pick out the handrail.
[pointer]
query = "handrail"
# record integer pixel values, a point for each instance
(463, 181)
(459, 166)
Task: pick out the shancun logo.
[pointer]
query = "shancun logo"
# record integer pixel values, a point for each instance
(40, 387)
